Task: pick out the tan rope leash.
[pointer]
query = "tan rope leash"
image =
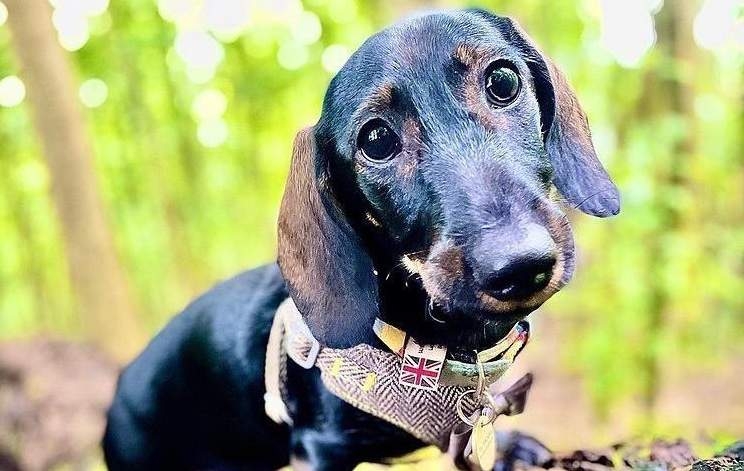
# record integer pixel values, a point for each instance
(368, 378)
(275, 374)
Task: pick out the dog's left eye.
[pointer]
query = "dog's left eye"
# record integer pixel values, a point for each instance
(377, 141)
(502, 83)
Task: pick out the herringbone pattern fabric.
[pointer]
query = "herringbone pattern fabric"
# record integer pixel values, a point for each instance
(427, 415)
(367, 378)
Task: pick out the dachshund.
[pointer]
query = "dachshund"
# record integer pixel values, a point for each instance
(428, 194)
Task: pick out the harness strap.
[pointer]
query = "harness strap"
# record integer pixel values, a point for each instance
(367, 378)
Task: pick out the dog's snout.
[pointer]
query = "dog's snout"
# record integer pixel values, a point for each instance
(515, 271)
(520, 277)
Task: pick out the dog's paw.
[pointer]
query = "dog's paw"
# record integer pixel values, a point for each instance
(517, 448)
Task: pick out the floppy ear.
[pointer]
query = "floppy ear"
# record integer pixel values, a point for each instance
(328, 273)
(578, 173)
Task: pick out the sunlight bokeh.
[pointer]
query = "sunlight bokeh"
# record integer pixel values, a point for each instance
(191, 106)
(12, 91)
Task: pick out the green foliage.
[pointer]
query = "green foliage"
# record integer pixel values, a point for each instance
(659, 285)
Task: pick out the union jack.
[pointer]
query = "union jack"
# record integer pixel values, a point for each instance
(420, 372)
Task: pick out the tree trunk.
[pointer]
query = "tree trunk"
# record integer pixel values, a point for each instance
(674, 92)
(98, 280)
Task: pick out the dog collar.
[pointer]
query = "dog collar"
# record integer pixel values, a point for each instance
(368, 378)
(495, 360)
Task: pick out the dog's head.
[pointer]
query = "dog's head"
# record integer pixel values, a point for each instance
(428, 191)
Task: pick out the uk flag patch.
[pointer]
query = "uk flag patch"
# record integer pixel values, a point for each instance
(422, 365)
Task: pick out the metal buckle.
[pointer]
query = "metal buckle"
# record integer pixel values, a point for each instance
(298, 328)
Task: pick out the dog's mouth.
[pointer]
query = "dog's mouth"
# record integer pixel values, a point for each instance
(464, 328)
(494, 346)
(468, 333)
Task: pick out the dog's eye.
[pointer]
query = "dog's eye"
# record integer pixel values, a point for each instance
(377, 141)
(502, 83)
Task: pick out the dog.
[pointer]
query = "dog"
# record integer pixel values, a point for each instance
(428, 194)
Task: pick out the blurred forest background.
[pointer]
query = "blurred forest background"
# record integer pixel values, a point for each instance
(144, 146)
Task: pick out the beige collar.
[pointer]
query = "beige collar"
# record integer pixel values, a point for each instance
(494, 359)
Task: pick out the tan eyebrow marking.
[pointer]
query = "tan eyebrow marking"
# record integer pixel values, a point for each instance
(466, 54)
(381, 98)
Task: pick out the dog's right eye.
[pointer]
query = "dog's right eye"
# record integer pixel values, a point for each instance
(502, 83)
(377, 141)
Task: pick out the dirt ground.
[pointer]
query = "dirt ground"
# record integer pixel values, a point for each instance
(693, 405)
(53, 396)
(52, 399)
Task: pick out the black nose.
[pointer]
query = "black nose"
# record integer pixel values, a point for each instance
(520, 277)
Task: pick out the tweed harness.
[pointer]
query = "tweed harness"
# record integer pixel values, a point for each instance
(368, 378)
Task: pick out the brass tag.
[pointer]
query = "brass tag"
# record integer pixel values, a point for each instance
(483, 441)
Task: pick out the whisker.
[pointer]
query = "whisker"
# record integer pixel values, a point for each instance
(414, 253)
(576, 206)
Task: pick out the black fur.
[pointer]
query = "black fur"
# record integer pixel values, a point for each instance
(469, 189)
